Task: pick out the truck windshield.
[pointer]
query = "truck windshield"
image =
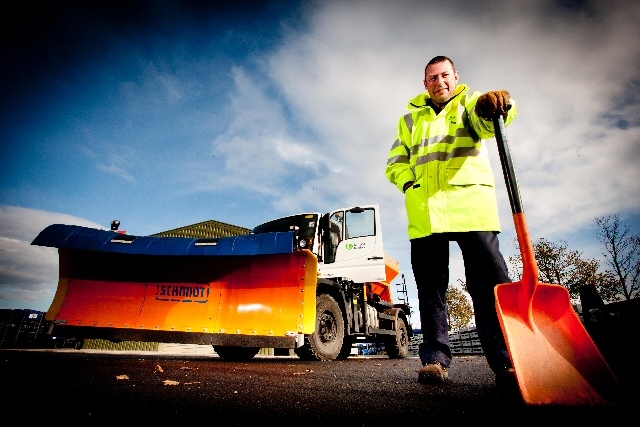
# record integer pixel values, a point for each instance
(305, 222)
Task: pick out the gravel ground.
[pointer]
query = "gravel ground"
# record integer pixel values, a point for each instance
(127, 388)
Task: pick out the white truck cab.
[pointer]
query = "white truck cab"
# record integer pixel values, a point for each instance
(347, 241)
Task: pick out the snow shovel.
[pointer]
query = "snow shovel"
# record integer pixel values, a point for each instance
(555, 360)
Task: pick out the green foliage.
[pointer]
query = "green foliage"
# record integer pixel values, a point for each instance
(560, 266)
(459, 308)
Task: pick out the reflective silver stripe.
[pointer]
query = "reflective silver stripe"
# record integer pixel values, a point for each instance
(398, 159)
(408, 120)
(446, 139)
(442, 155)
(440, 139)
(397, 143)
(461, 132)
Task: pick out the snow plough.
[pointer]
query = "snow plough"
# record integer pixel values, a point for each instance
(312, 282)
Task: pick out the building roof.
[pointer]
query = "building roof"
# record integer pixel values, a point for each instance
(205, 230)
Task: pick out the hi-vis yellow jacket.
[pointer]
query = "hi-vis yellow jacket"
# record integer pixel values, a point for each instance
(454, 188)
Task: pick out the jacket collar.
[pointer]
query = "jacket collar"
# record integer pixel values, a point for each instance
(420, 102)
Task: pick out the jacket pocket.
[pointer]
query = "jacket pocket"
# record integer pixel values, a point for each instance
(417, 212)
(469, 176)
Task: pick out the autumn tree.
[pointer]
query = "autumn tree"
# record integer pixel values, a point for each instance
(622, 255)
(459, 308)
(560, 266)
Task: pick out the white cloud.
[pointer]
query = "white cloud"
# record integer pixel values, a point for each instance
(29, 274)
(117, 171)
(261, 149)
(345, 77)
(314, 118)
(349, 75)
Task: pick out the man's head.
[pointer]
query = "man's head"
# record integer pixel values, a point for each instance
(440, 79)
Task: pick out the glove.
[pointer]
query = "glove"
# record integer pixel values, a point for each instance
(490, 104)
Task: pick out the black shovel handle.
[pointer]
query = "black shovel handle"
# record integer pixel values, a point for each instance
(507, 165)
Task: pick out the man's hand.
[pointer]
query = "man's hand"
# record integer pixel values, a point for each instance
(407, 185)
(493, 103)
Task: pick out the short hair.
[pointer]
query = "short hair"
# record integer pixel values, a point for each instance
(437, 60)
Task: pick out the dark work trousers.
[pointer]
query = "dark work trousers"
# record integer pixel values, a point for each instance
(484, 269)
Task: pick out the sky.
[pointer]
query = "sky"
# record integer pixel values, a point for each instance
(163, 114)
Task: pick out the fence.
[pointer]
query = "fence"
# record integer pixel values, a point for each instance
(22, 328)
(464, 342)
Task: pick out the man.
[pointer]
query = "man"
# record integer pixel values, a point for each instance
(441, 164)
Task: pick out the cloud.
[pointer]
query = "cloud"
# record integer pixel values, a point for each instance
(307, 123)
(327, 100)
(348, 72)
(351, 87)
(29, 274)
(117, 171)
(261, 150)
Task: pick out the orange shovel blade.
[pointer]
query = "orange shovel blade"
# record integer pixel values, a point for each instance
(555, 359)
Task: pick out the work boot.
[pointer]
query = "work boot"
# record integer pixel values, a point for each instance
(433, 373)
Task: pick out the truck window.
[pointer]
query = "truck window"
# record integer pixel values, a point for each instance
(336, 226)
(360, 224)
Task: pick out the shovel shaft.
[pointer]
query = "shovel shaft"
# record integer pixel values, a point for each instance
(507, 165)
(529, 264)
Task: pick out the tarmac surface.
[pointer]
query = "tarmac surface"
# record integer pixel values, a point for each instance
(180, 388)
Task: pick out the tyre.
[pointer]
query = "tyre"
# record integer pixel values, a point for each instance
(78, 344)
(326, 342)
(398, 348)
(236, 354)
(345, 351)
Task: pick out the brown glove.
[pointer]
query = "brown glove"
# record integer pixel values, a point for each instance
(493, 103)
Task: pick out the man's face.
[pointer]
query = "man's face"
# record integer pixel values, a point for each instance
(440, 81)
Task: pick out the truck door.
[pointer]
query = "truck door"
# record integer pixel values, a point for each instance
(355, 250)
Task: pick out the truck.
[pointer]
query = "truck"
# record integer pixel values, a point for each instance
(313, 282)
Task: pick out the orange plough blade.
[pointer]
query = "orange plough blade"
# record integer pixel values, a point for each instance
(255, 296)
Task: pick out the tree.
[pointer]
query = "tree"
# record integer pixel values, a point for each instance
(459, 308)
(622, 255)
(560, 266)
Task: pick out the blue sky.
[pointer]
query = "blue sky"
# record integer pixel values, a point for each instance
(162, 114)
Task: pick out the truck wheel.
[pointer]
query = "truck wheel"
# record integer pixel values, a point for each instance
(398, 348)
(236, 354)
(78, 344)
(345, 351)
(326, 341)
